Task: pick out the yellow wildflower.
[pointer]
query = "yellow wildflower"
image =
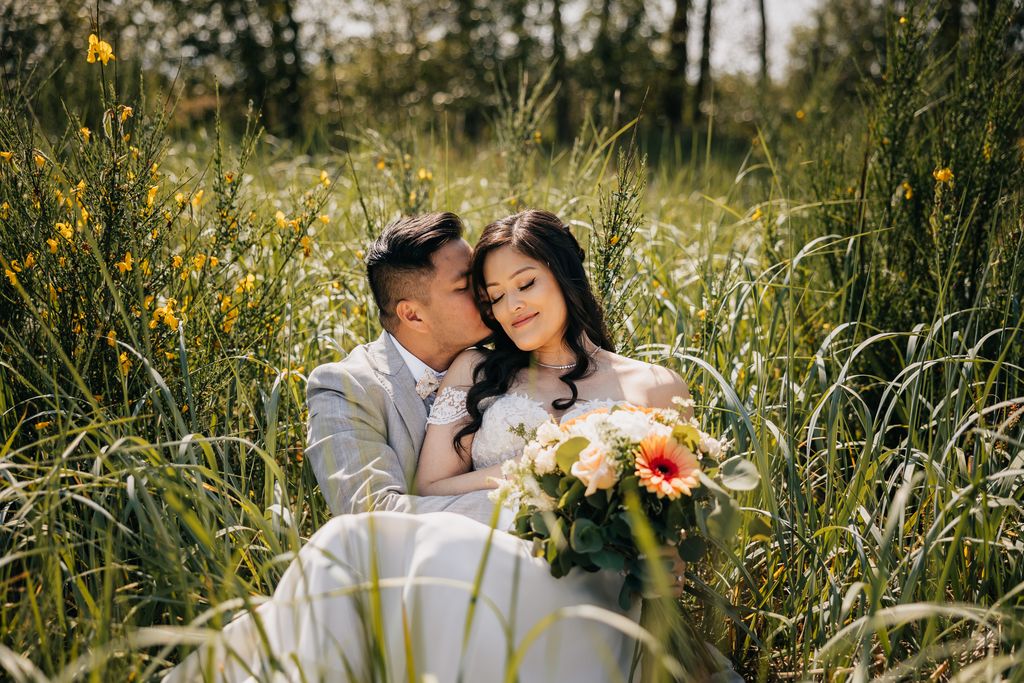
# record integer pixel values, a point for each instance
(154, 233)
(151, 195)
(229, 321)
(11, 276)
(154, 170)
(757, 214)
(903, 21)
(908, 191)
(197, 198)
(180, 198)
(6, 156)
(124, 362)
(229, 178)
(281, 220)
(85, 214)
(199, 260)
(126, 112)
(214, 261)
(225, 302)
(176, 261)
(145, 268)
(325, 219)
(5, 209)
(125, 264)
(61, 261)
(40, 160)
(53, 293)
(424, 174)
(325, 180)
(43, 424)
(147, 301)
(307, 245)
(65, 231)
(380, 164)
(99, 49)
(86, 134)
(943, 175)
(800, 115)
(614, 240)
(30, 260)
(112, 338)
(52, 243)
(702, 314)
(537, 137)
(246, 284)
(412, 197)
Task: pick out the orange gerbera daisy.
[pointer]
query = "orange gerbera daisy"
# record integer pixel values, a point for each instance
(666, 467)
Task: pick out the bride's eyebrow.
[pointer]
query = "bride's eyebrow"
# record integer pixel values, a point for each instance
(521, 270)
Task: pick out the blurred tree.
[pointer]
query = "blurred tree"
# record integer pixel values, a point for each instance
(704, 79)
(675, 66)
(563, 126)
(763, 45)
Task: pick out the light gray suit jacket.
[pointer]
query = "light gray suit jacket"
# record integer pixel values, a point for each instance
(366, 426)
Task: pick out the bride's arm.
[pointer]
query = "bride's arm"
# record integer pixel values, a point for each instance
(442, 470)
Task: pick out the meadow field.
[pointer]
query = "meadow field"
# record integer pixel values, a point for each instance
(843, 297)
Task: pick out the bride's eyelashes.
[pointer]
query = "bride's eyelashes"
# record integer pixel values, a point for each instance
(523, 288)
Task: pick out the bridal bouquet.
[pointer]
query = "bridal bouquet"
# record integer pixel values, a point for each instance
(584, 489)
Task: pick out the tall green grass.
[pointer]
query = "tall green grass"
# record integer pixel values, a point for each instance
(153, 477)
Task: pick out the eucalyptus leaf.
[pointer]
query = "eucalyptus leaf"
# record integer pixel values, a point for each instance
(724, 519)
(569, 452)
(585, 536)
(739, 474)
(692, 548)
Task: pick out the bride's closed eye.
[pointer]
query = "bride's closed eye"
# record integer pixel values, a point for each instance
(524, 287)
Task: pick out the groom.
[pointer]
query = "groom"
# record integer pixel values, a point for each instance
(368, 412)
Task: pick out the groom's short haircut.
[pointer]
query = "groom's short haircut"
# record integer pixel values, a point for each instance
(401, 256)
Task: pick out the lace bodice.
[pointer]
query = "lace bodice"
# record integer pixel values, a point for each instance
(505, 419)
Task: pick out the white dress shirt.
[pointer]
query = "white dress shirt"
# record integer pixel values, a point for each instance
(415, 365)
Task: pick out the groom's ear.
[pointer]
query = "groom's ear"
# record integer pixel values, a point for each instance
(408, 313)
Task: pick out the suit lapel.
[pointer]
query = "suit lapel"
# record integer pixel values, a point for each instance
(400, 385)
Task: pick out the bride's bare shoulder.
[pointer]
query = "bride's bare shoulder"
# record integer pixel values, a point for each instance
(460, 373)
(653, 385)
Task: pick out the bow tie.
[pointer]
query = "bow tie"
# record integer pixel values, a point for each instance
(427, 384)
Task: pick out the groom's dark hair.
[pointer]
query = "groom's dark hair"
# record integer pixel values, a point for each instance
(402, 255)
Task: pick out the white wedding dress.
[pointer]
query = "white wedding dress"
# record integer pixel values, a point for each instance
(389, 596)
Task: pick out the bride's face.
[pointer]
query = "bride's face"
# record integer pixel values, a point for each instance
(524, 298)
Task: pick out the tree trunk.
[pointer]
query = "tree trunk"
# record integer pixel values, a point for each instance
(563, 130)
(704, 80)
(675, 88)
(950, 18)
(763, 46)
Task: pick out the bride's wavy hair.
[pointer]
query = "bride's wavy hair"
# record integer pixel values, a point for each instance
(542, 236)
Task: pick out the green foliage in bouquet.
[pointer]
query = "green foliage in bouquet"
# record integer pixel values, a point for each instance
(578, 486)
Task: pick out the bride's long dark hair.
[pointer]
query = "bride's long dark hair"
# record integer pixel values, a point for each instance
(542, 236)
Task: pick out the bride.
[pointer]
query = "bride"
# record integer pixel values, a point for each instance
(384, 596)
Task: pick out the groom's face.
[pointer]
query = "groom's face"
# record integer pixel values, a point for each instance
(450, 308)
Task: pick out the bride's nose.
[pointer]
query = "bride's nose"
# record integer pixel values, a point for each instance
(515, 303)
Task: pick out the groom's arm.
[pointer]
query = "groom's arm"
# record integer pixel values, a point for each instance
(348, 450)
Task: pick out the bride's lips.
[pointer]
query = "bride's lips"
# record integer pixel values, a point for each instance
(519, 322)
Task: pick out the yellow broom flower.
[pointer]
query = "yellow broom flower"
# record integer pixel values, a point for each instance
(99, 50)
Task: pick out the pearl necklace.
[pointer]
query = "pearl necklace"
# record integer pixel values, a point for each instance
(570, 366)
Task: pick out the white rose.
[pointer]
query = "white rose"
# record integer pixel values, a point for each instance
(548, 432)
(711, 446)
(544, 461)
(595, 468)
